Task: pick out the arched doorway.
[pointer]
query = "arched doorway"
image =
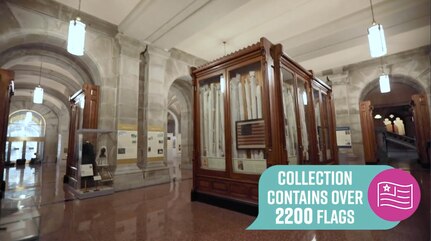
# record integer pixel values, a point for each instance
(391, 123)
(180, 124)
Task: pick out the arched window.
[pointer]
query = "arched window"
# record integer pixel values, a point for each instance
(25, 136)
(26, 123)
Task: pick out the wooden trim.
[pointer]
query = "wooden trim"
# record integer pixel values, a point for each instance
(422, 126)
(91, 108)
(26, 139)
(229, 57)
(88, 116)
(368, 134)
(6, 92)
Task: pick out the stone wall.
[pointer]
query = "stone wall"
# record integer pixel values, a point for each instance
(38, 32)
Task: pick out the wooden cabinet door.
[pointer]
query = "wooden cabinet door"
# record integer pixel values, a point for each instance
(91, 109)
(422, 126)
(368, 134)
(6, 93)
(81, 119)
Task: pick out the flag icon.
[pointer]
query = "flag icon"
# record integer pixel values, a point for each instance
(395, 195)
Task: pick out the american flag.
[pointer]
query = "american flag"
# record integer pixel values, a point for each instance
(395, 195)
(250, 134)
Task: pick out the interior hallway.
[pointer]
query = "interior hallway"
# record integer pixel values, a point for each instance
(37, 205)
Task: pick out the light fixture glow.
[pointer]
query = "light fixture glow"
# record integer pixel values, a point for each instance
(376, 37)
(222, 83)
(38, 91)
(385, 86)
(376, 40)
(76, 37)
(38, 95)
(377, 117)
(28, 117)
(304, 98)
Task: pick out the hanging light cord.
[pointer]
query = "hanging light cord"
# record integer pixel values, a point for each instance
(372, 10)
(224, 45)
(40, 71)
(381, 64)
(79, 11)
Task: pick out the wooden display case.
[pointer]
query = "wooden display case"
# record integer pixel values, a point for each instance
(253, 109)
(327, 152)
(88, 170)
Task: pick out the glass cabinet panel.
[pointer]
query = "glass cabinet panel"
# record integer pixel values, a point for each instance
(16, 150)
(212, 123)
(247, 124)
(304, 117)
(290, 128)
(30, 150)
(327, 126)
(318, 119)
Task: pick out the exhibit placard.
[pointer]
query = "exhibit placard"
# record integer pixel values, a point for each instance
(86, 170)
(344, 138)
(156, 144)
(127, 147)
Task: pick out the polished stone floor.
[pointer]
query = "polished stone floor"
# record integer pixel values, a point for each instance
(38, 206)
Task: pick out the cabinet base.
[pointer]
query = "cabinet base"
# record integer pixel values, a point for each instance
(92, 192)
(231, 204)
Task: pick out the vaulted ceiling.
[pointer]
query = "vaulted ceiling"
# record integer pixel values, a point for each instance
(318, 34)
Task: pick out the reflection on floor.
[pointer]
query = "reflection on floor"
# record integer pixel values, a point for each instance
(37, 205)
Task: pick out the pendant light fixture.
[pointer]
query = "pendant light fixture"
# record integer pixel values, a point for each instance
(76, 36)
(378, 117)
(376, 37)
(384, 83)
(385, 86)
(38, 91)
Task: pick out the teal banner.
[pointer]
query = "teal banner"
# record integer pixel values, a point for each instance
(300, 197)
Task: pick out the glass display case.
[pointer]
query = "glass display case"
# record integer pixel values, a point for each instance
(211, 97)
(253, 109)
(94, 169)
(90, 164)
(290, 126)
(247, 124)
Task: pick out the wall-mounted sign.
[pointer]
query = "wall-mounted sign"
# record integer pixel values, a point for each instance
(156, 144)
(127, 147)
(344, 138)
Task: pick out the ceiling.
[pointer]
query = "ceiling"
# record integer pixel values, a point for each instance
(320, 35)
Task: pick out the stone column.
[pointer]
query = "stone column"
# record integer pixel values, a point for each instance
(345, 116)
(127, 174)
(154, 112)
(186, 138)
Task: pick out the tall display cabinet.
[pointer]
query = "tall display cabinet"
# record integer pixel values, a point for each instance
(253, 109)
(89, 162)
(6, 93)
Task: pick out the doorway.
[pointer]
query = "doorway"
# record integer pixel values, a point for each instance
(180, 124)
(395, 125)
(25, 137)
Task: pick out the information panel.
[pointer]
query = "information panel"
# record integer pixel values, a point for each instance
(156, 144)
(127, 147)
